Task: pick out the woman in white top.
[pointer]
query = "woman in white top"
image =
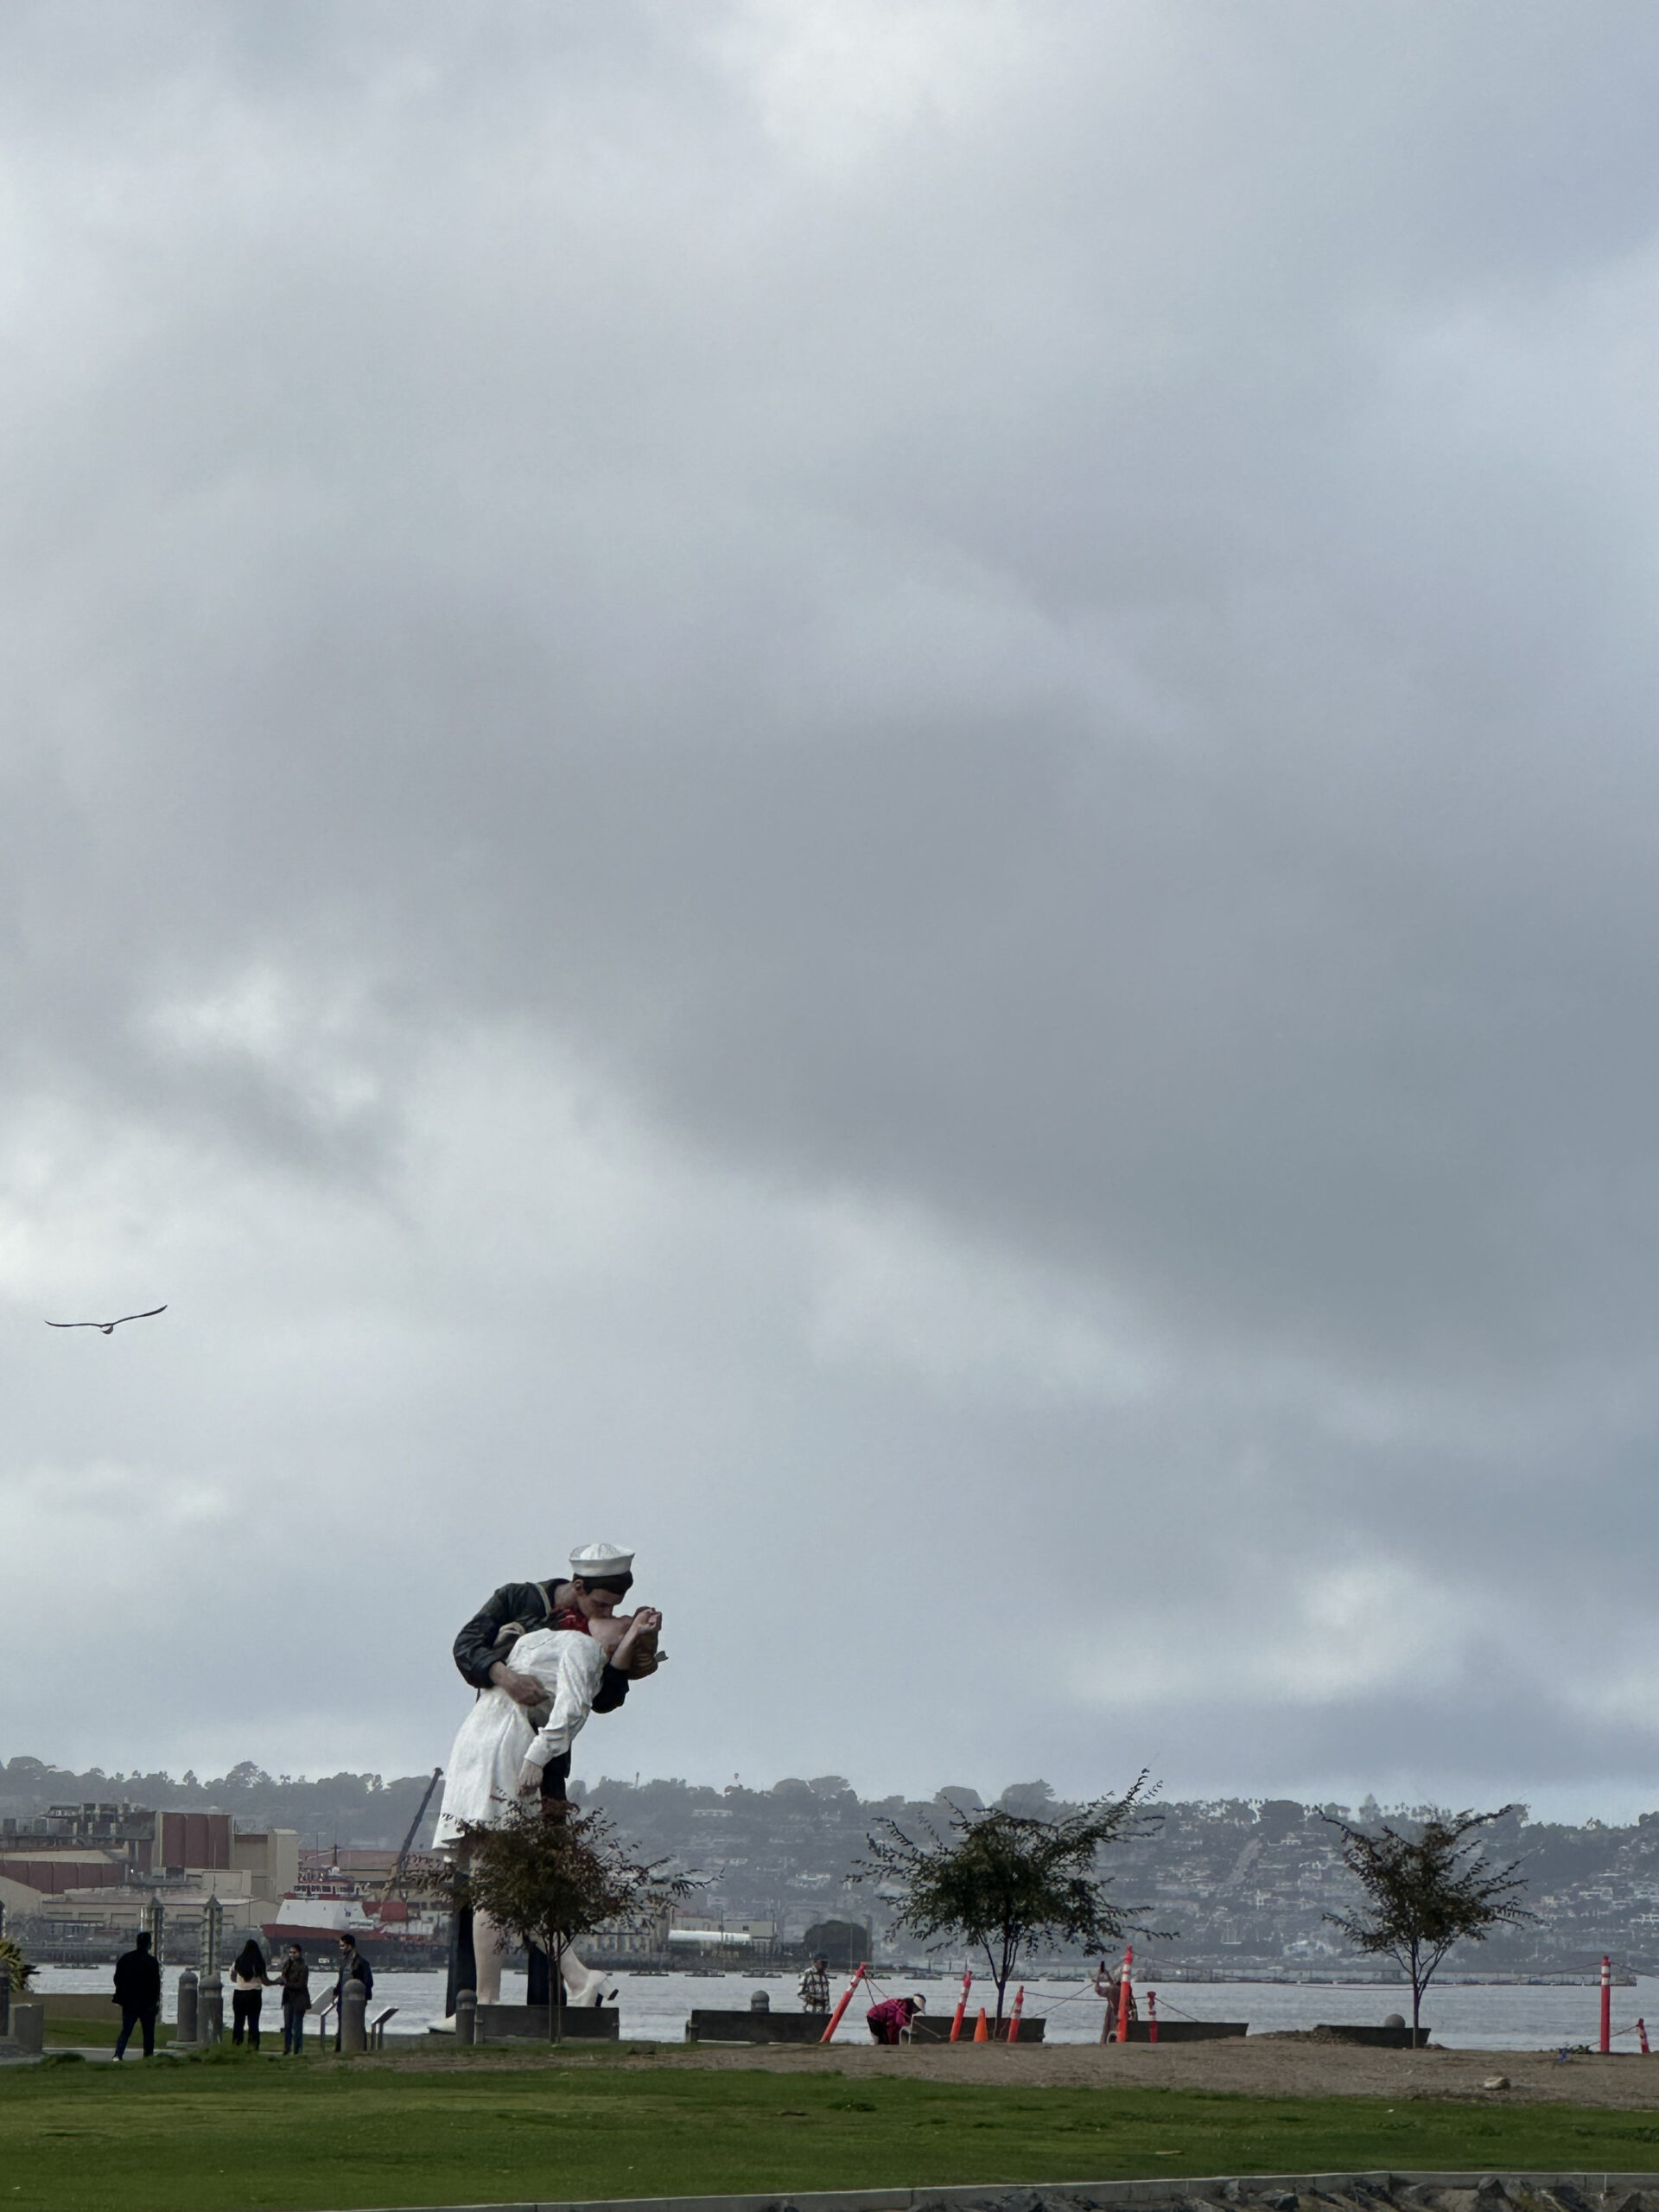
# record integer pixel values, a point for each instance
(249, 1982)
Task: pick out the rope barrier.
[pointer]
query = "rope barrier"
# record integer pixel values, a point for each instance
(1086, 1989)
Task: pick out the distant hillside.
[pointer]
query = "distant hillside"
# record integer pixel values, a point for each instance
(1245, 1883)
(344, 1809)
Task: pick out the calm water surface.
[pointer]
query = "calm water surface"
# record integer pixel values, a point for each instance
(654, 2006)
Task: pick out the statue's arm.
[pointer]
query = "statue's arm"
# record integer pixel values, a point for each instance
(613, 1689)
(475, 1651)
(573, 1700)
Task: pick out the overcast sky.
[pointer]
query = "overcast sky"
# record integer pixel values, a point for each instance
(866, 791)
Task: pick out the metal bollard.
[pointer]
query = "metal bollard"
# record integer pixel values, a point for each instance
(28, 2027)
(186, 2029)
(466, 2016)
(353, 2003)
(210, 2011)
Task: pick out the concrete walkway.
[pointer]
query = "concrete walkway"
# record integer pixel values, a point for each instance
(1380, 2191)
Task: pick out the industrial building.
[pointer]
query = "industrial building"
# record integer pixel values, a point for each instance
(79, 1881)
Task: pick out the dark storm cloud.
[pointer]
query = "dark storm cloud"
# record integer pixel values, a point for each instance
(1033, 637)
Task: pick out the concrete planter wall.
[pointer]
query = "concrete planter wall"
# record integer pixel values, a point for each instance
(1374, 2039)
(583, 2023)
(709, 2027)
(935, 2027)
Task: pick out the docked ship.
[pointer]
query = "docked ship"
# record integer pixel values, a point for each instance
(351, 1893)
(390, 1932)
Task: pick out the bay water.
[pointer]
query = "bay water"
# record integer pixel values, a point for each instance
(654, 2007)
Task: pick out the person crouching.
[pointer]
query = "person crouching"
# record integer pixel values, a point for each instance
(890, 2020)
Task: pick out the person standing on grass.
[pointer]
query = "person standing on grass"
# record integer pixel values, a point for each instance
(138, 1992)
(889, 2020)
(353, 1966)
(249, 1982)
(295, 1976)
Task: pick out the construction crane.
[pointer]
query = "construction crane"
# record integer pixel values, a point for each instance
(397, 1865)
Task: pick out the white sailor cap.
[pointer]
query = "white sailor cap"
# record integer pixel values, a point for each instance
(599, 1563)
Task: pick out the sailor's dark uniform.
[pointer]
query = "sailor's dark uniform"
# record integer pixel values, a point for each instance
(484, 1640)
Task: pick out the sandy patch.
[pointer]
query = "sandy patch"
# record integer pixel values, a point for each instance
(1263, 2066)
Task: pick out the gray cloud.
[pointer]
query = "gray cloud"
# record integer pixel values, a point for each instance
(866, 796)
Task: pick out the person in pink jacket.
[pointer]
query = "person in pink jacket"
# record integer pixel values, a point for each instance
(889, 2019)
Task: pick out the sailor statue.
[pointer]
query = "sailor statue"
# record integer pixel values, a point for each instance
(542, 1655)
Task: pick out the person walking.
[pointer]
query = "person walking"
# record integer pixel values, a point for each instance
(249, 1982)
(353, 1966)
(295, 1977)
(138, 1992)
(815, 1986)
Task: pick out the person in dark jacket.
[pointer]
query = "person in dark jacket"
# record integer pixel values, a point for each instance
(138, 1992)
(353, 1966)
(295, 1979)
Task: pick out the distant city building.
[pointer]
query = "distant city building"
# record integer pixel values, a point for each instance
(79, 1876)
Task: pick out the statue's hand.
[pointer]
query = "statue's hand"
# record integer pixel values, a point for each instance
(529, 1779)
(635, 1652)
(524, 1689)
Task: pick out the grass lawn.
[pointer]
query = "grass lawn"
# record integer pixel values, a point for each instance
(101, 2035)
(236, 2132)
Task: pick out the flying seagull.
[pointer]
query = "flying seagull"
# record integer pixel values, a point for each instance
(109, 1327)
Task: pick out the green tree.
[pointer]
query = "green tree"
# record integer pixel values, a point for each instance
(550, 1876)
(1425, 1892)
(13, 1963)
(1009, 1884)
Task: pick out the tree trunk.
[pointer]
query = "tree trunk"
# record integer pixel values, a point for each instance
(556, 1988)
(1004, 1974)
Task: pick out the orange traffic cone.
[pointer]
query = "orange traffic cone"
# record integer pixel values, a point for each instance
(982, 2033)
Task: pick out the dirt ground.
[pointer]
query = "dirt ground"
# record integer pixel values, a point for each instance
(1265, 2066)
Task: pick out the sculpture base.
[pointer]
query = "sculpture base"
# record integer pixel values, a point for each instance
(583, 2023)
(1374, 2038)
(707, 2026)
